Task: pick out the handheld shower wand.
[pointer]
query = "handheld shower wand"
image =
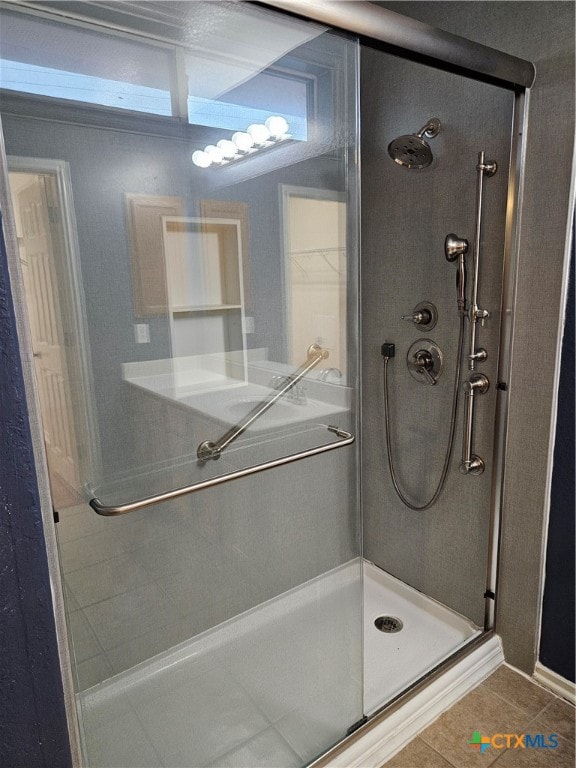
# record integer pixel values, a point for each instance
(456, 248)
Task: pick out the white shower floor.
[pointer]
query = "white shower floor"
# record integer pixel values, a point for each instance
(431, 632)
(275, 686)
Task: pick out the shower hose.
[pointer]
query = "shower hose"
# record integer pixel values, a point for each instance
(401, 495)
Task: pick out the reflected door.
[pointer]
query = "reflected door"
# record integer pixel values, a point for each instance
(42, 294)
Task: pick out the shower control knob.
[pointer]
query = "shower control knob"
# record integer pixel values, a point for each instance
(424, 314)
(425, 361)
(419, 318)
(425, 364)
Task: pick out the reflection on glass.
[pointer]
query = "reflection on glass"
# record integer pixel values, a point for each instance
(181, 296)
(189, 279)
(257, 137)
(84, 65)
(316, 274)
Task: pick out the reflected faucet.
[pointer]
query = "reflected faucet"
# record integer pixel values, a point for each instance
(296, 395)
(213, 450)
(327, 372)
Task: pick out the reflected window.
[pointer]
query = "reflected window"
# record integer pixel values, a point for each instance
(56, 83)
(78, 64)
(254, 101)
(225, 82)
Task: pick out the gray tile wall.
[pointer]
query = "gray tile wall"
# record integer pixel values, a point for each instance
(139, 584)
(544, 33)
(406, 214)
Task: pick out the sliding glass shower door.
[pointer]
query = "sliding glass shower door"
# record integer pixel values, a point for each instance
(184, 185)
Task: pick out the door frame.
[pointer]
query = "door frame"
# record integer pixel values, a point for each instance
(39, 451)
(78, 361)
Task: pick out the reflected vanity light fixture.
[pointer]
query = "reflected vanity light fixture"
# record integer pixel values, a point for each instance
(256, 137)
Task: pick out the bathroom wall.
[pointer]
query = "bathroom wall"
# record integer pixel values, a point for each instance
(542, 32)
(558, 612)
(406, 215)
(33, 723)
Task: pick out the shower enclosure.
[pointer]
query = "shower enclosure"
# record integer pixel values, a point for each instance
(246, 580)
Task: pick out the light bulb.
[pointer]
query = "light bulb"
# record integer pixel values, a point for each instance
(214, 153)
(243, 141)
(201, 159)
(277, 126)
(259, 133)
(229, 149)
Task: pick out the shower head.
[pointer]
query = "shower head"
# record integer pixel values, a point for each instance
(455, 246)
(412, 151)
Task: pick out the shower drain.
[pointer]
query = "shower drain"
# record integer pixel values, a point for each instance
(388, 624)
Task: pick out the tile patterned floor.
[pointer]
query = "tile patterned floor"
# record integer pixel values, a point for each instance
(135, 585)
(507, 702)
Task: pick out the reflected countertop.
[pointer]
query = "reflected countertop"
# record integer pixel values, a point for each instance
(201, 385)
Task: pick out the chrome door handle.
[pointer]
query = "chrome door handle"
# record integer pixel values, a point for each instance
(346, 438)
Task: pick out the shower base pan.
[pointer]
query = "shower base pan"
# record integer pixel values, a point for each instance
(277, 685)
(429, 635)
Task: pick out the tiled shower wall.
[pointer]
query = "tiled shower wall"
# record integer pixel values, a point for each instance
(542, 32)
(139, 584)
(406, 215)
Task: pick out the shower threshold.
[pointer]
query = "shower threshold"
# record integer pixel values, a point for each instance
(277, 685)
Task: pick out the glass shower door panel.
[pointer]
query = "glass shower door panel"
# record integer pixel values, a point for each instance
(206, 264)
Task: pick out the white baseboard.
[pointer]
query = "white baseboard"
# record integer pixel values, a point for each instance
(555, 682)
(385, 739)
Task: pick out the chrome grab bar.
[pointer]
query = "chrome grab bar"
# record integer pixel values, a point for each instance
(121, 509)
(472, 464)
(212, 450)
(488, 167)
(477, 383)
